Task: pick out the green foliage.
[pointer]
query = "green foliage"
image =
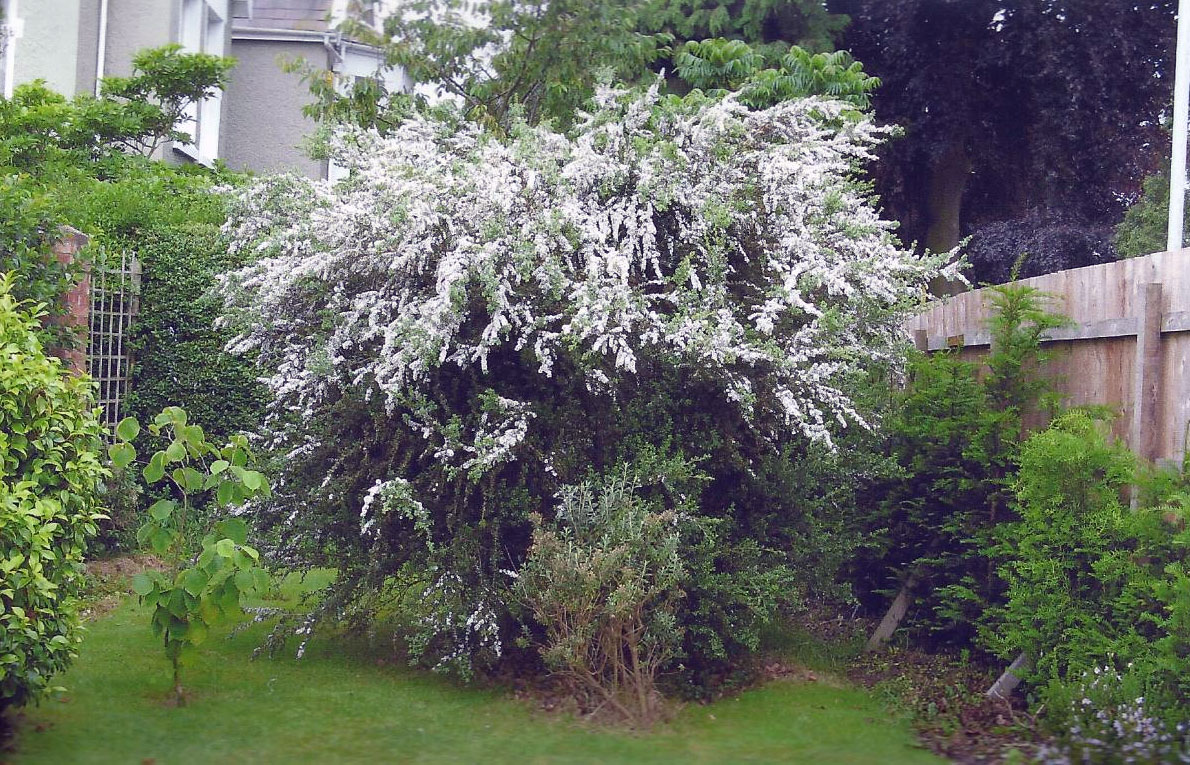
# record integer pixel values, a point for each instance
(179, 351)
(956, 436)
(150, 103)
(1143, 229)
(28, 229)
(43, 133)
(195, 595)
(1072, 556)
(719, 64)
(1092, 583)
(604, 581)
(49, 478)
(772, 25)
(540, 59)
(60, 160)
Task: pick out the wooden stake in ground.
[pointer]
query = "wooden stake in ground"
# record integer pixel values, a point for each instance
(892, 617)
(1007, 682)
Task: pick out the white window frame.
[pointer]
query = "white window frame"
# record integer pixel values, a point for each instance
(201, 27)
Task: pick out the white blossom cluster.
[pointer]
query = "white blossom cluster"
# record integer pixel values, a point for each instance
(1106, 728)
(732, 241)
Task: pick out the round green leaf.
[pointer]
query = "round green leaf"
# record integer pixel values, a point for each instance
(128, 428)
(122, 455)
(142, 584)
(162, 509)
(253, 480)
(244, 581)
(176, 451)
(155, 470)
(194, 581)
(191, 479)
(234, 529)
(225, 548)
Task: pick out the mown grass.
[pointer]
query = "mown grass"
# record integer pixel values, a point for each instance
(342, 704)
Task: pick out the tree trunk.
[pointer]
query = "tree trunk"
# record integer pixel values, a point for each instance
(944, 205)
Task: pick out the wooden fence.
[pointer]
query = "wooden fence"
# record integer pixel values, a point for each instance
(1129, 347)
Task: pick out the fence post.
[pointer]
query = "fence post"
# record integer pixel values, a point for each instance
(1146, 380)
(77, 301)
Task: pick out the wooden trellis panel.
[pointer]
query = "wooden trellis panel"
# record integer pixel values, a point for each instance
(115, 290)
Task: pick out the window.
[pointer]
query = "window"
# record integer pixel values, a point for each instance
(201, 30)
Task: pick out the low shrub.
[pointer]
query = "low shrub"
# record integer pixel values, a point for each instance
(1098, 594)
(211, 566)
(50, 471)
(604, 580)
(1104, 717)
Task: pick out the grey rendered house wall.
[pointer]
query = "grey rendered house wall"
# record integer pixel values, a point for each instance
(61, 39)
(263, 126)
(133, 25)
(48, 48)
(88, 46)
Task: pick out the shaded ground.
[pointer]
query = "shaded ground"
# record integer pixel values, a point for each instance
(951, 713)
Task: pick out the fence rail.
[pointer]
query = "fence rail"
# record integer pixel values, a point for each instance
(1128, 347)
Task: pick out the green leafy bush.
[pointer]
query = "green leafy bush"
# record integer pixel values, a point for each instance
(955, 435)
(49, 476)
(211, 565)
(29, 227)
(1074, 565)
(1143, 229)
(1092, 583)
(604, 581)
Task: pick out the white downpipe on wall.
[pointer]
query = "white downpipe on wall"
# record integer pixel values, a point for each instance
(101, 48)
(1181, 105)
(10, 50)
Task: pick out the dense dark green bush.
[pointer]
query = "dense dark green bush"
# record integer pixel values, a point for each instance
(49, 475)
(955, 436)
(179, 356)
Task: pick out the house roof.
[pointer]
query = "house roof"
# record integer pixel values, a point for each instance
(294, 15)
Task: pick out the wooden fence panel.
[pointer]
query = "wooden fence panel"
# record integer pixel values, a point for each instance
(1100, 359)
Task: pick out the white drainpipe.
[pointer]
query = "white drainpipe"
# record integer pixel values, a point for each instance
(14, 25)
(1181, 105)
(101, 47)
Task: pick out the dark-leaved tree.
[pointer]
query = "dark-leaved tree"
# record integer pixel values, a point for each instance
(1025, 120)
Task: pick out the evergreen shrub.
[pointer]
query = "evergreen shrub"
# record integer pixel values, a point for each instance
(50, 471)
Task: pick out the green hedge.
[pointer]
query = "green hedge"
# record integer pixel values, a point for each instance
(178, 353)
(50, 471)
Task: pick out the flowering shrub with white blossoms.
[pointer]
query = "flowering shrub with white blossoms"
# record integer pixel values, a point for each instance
(1105, 718)
(487, 320)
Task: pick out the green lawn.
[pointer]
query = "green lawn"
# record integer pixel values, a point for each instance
(339, 705)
